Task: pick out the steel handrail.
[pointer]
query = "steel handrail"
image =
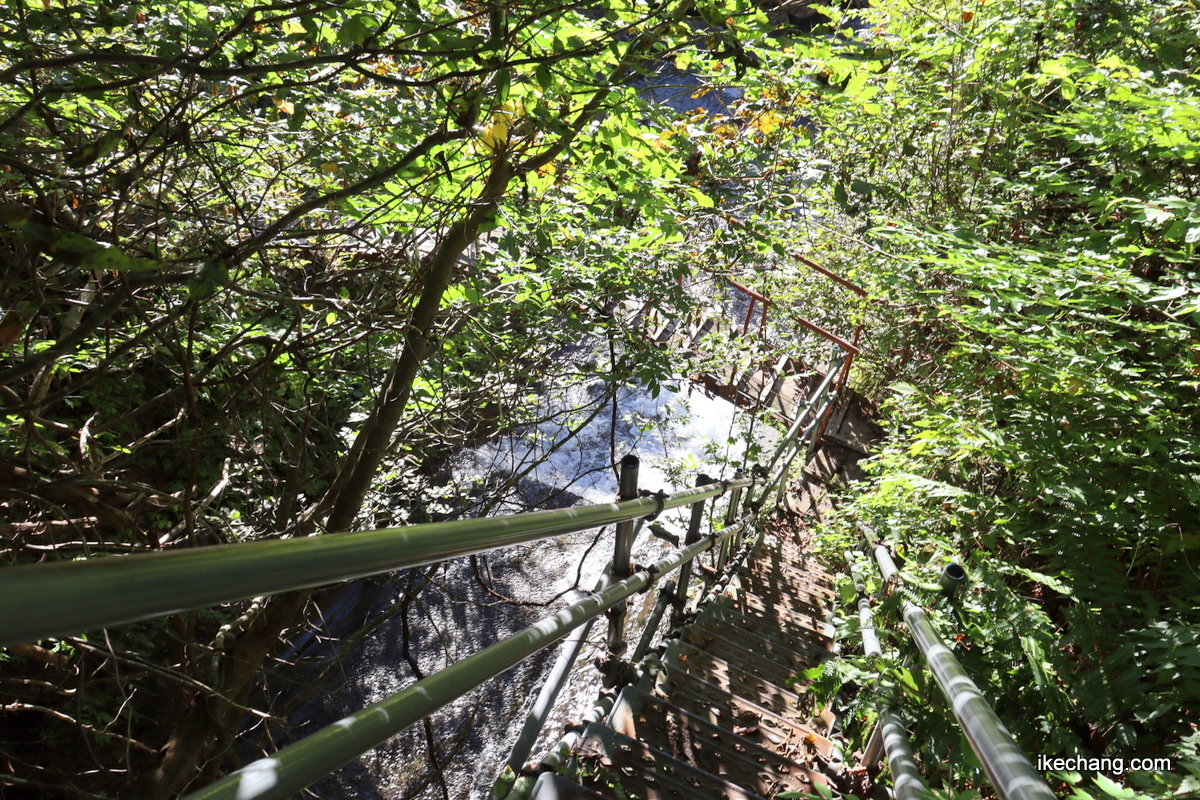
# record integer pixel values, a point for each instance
(57, 599)
(906, 777)
(891, 734)
(1007, 767)
(820, 397)
(301, 764)
(544, 704)
(794, 433)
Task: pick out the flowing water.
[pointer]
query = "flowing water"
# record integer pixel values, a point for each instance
(463, 608)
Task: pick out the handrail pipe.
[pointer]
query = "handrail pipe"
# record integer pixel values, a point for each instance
(891, 734)
(1009, 770)
(547, 696)
(301, 764)
(902, 763)
(794, 433)
(66, 597)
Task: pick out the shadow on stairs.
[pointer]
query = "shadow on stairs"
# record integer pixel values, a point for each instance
(848, 437)
(722, 711)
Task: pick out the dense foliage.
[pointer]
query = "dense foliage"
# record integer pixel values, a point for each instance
(267, 265)
(1022, 178)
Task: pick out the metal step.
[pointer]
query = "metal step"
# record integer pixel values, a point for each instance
(705, 327)
(725, 675)
(787, 736)
(776, 665)
(607, 759)
(760, 608)
(727, 715)
(729, 640)
(801, 639)
(551, 786)
(772, 561)
(663, 335)
(687, 736)
(788, 579)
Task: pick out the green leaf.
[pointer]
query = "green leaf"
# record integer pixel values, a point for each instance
(97, 149)
(846, 592)
(79, 251)
(839, 194)
(1114, 789)
(701, 198)
(209, 277)
(356, 29)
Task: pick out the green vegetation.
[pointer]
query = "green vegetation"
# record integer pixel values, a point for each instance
(268, 265)
(1025, 175)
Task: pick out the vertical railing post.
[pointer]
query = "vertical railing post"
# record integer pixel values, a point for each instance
(843, 373)
(749, 506)
(731, 516)
(784, 474)
(627, 489)
(693, 536)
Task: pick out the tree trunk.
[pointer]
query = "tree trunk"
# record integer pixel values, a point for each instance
(201, 739)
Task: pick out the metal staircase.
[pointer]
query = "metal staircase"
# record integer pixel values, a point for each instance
(720, 710)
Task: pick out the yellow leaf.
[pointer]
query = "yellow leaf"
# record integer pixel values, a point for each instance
(726, 131)
(329, 167)
(768, 121)
(283, 105)
(495, 134)
(512, 110)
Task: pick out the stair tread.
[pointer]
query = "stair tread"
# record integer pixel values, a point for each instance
(607, 756)
(791, 654)
(719, 672)
(552, 786)
(788, 735)
(805, 591)
(756, 606)
(801, 640)
(683, 734)
(774, 664)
